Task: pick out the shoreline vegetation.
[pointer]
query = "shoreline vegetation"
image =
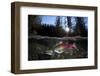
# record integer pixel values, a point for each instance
(59, 38)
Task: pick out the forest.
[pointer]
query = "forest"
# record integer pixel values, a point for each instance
(59, 29)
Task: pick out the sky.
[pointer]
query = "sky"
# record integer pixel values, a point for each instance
(52, 20)
(48, 19)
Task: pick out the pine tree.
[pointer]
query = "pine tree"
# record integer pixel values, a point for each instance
(80, 28)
